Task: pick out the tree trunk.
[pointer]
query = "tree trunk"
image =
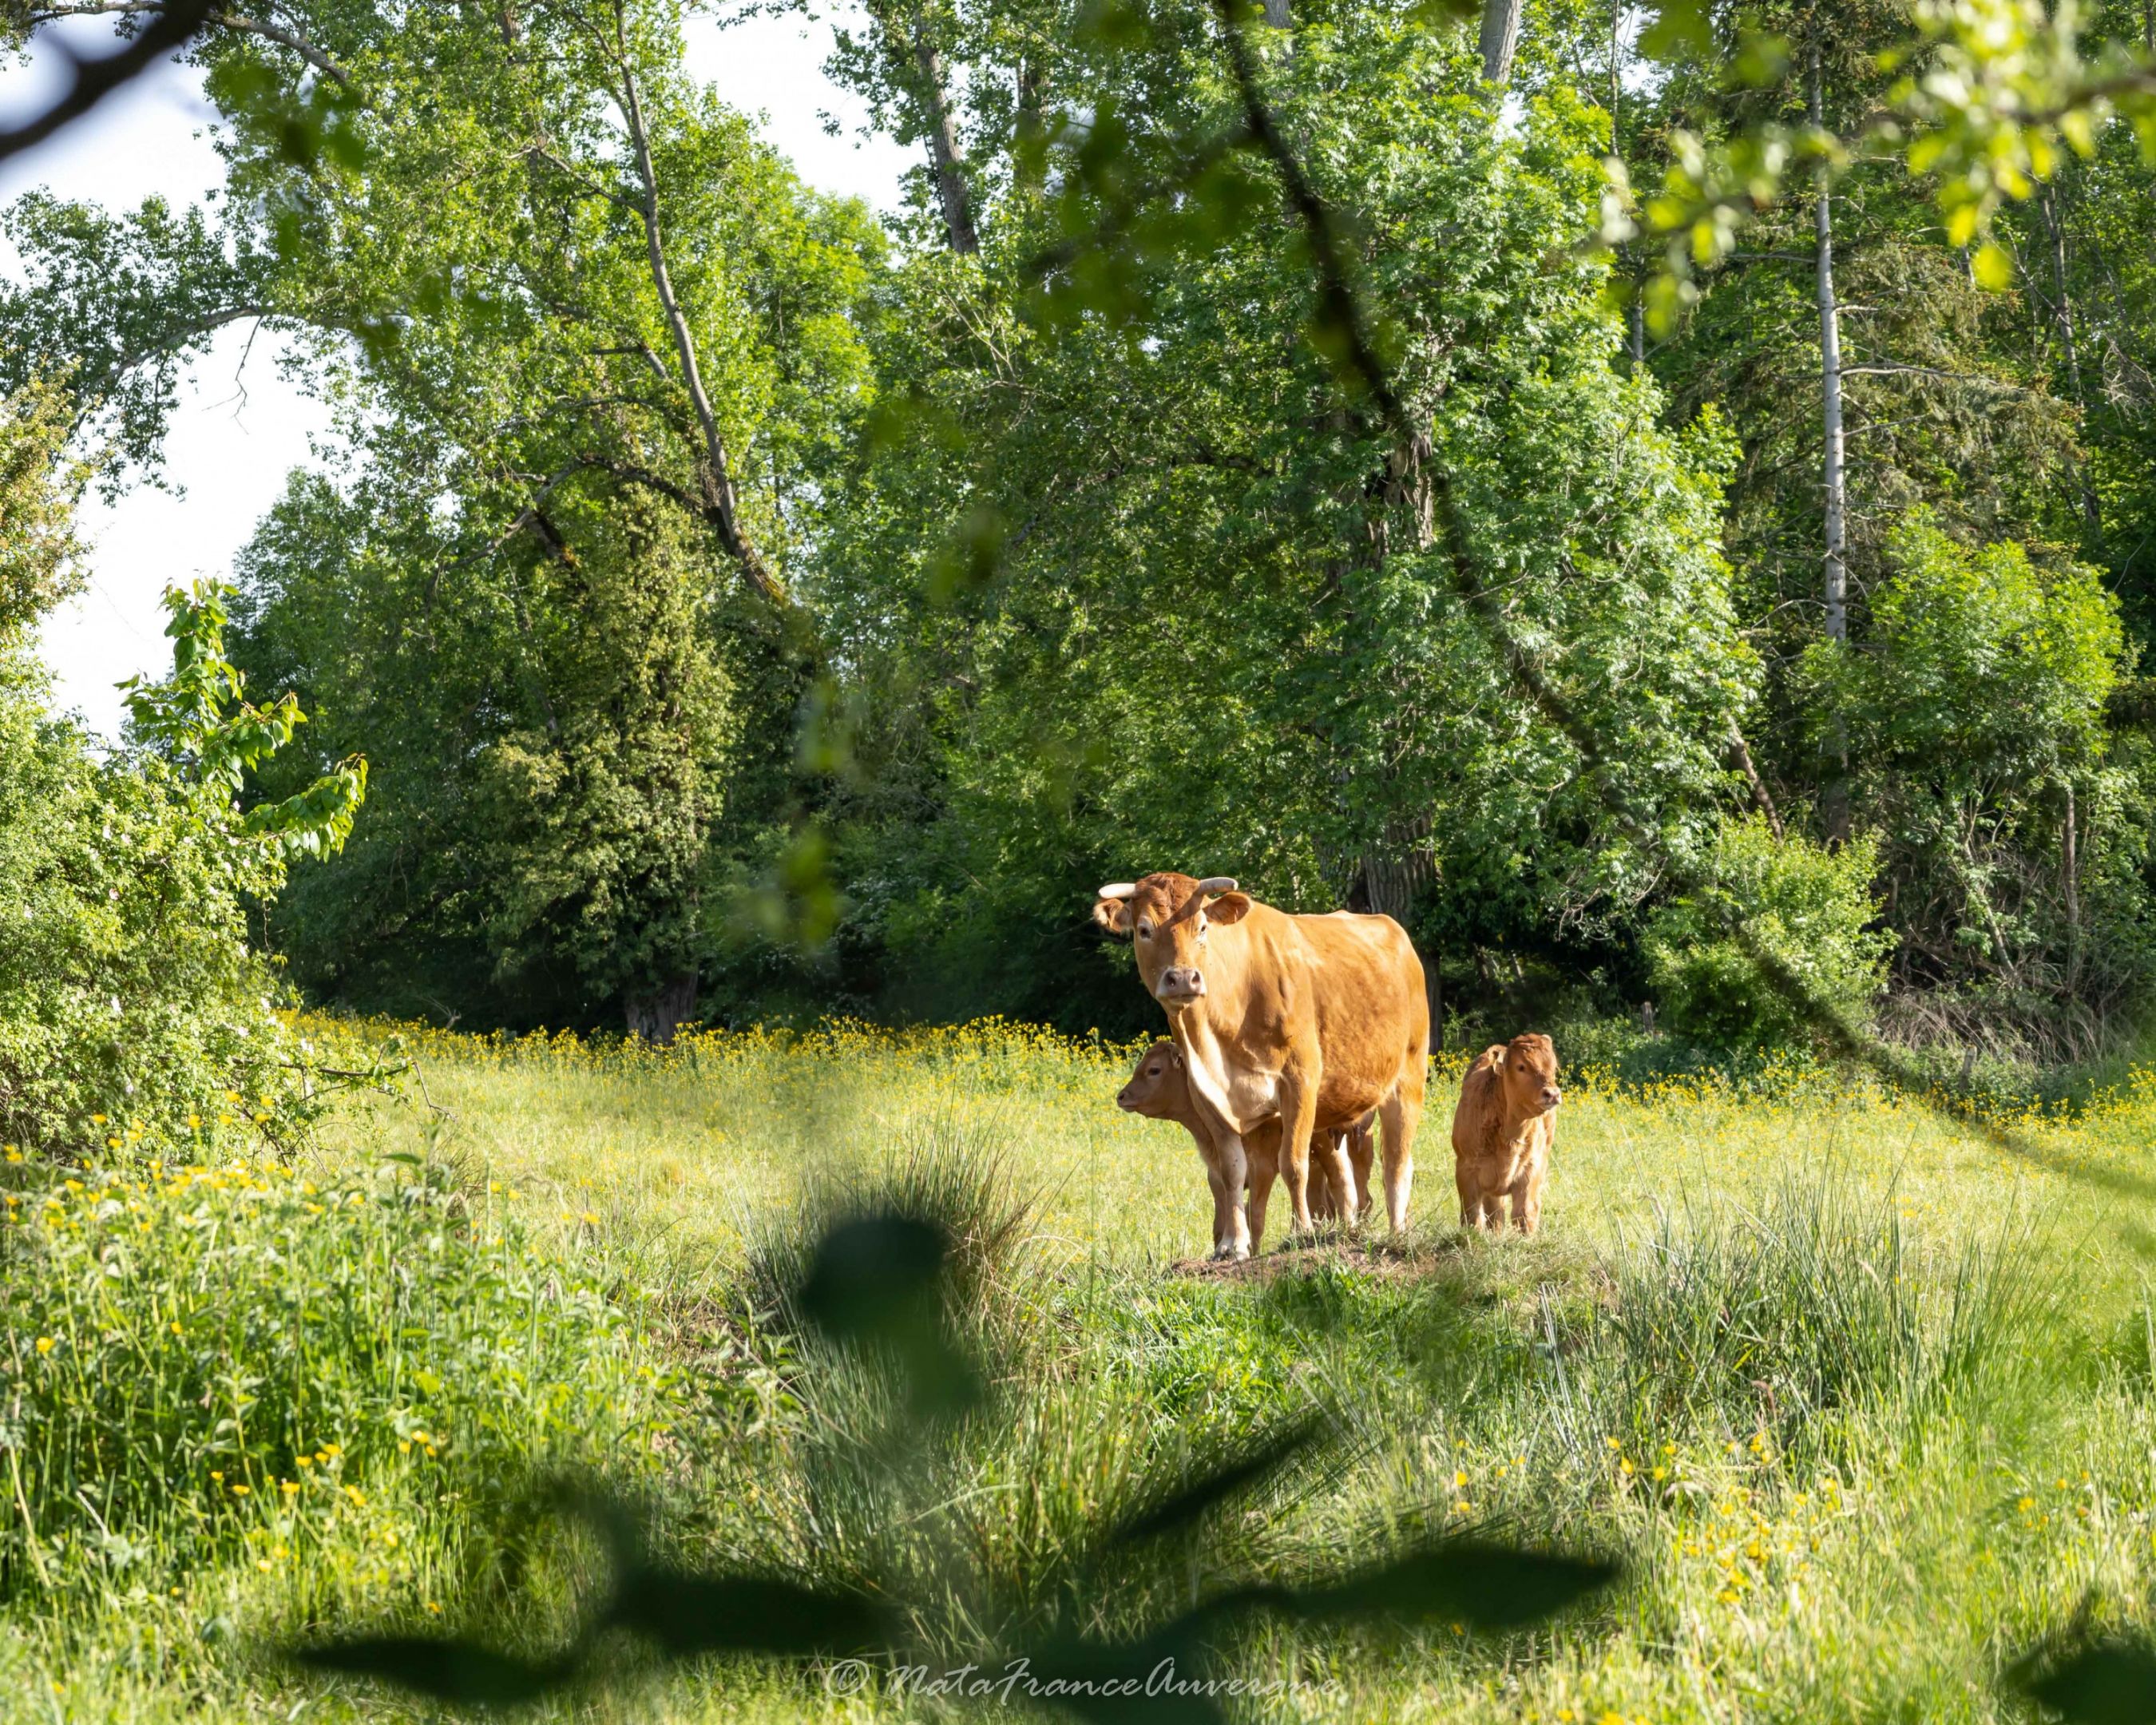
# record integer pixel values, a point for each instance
(1278, 15)
(657, 1015)
(721, 506)
(1741, 753)
(1394, 870)
(945, 157)
(1501, 37)
(1029, 131)
(2062, 311)
(1835, 801)
(1837, 568)
(2069, 878)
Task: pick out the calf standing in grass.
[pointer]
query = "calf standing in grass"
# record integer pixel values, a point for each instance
(1503, 1130)
(1160, 1090)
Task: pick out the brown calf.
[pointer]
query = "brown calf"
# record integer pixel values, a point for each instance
(1503, 1131)
(1160, 1090)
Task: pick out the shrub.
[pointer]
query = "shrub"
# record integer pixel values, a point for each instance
(2013, 828)
(1809, 907)
(134, 1009)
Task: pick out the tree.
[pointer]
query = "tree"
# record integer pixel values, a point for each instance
(590, 344)
(1196, 612)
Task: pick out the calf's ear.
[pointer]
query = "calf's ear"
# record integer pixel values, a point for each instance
(1114, 916)
(1229, 907)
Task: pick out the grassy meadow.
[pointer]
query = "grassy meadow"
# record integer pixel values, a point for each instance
(1862, 1400)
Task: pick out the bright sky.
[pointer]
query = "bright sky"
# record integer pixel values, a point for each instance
(240, 430)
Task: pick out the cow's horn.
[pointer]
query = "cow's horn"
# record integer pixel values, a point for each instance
(1120, 889)
(1217, 883)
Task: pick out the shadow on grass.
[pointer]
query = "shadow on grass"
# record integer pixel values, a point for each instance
(878, 1292)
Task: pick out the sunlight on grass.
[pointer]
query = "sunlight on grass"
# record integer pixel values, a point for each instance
(1814, 1362)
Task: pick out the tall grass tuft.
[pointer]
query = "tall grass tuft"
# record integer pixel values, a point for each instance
(949, 1173)
(992, 1528)
(1787, 1322)
(210, 1365)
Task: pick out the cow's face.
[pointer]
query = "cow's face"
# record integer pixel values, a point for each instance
(1158, 1089)
(1170, 919)
(1529, 1071)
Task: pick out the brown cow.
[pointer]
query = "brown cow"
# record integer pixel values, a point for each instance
(1312, 1021)
(1160, 1090)
(1503, 1131)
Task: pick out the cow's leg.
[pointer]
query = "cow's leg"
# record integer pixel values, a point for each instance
(1346, 1201)
(1264, 1171)
(1231, 1233)
(1360, 1152)
(1218, 1182)
(1527, 1196)
(1298, 1118)
(1398, 1117)
(1323, 1206)
(1470, 1194)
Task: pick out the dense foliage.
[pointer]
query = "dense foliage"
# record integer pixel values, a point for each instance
(136, 1006)
(745, 606)
(1813, 909)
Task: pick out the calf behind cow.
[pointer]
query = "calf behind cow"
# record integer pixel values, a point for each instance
(1503, 1131)
(1160, 1090)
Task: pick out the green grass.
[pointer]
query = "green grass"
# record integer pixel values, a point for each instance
(1864, 1400)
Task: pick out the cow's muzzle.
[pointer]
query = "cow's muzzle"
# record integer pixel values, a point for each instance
(1180, 982)
(1124, 1102)
(1551, 1097)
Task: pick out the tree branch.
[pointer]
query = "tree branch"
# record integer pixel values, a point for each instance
(178, 335)
(1741, 752)
(590, 188)
(722, 507)
(282, 35)
(175, 25)
(1887, 369)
